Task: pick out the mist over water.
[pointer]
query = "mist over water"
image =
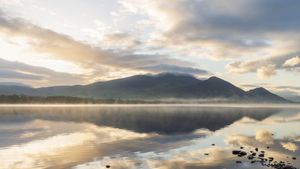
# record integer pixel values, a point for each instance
(158, 137)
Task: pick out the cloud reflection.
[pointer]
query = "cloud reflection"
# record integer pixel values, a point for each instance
(290, 146)
(55, 143)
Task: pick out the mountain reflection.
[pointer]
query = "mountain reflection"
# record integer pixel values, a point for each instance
(162, 120)
(161, 137)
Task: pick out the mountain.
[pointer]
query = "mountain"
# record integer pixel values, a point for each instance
(12, 89)
(261, 94)
(12, 84)
(294, 98)
(153, 87)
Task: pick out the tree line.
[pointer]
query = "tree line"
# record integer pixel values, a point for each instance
(23, 99)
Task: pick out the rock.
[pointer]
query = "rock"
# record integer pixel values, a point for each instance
(242, 153)
(236, 152)
(250, 157)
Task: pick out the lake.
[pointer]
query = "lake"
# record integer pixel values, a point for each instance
(149, 137)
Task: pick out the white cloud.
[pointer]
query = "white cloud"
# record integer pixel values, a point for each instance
(266, 71)
(292, 62)
(265, 67)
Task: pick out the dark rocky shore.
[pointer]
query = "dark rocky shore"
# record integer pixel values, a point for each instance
(259, 156)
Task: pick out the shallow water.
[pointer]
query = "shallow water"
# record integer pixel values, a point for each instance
(145, 137)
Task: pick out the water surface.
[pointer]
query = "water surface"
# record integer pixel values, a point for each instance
(146, 137)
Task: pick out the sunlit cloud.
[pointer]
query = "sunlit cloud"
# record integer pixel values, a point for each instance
(292, 62)
(38, 76)
(96, 59)
(265, 67)
(266, 71)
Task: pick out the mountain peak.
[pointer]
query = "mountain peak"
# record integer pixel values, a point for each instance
(214, 78)
(260, 90)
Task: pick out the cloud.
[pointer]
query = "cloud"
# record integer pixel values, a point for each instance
(265, 67)
(295, 61)
(11, 2)
(46, 41)
(11, 74)
(97, 59)
(120, 41)
(266, 71)
(175, 69)
(37, 76)
(228, 29)
(294, 89)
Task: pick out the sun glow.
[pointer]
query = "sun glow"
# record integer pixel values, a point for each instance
(60, 66)
(18, 50)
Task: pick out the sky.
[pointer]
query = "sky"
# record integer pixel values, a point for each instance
(250, 43)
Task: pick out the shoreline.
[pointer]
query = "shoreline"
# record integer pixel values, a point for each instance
(216, 105)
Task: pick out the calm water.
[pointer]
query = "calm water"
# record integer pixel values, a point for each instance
(146, 137)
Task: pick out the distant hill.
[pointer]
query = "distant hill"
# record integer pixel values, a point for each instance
(294, 98)
(261, 94)
(13, 84)
(154, 87)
